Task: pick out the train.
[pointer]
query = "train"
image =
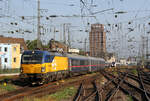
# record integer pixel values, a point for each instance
(39, 67)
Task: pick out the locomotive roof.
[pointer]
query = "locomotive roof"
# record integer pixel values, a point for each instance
(35, 51)
(44, 52)
(75, 56)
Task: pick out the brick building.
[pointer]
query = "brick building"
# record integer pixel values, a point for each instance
(97, 38)
(58, 46)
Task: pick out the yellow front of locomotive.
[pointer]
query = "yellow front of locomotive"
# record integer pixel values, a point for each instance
(33, 65)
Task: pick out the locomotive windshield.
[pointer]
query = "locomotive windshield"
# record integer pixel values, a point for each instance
(35, 58)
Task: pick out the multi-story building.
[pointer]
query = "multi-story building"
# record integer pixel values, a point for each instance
(11, 40)
(97, 39)
(9, 56)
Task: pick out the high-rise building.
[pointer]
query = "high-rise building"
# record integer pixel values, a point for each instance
(97, 38)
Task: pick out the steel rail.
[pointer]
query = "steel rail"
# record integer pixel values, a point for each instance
(147, 75)
(133, 86)
(97, 97)
(140, 90)
(115, 90)
(121, 88)
(136, 78)
(100, 90)
(80, 91)
(144, 95)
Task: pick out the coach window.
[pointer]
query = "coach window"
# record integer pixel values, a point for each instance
(82, 62)
(74, 62)
(86, 62)
(78, 62)
(92, 62)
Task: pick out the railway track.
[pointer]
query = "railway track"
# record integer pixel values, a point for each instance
(144, 84)
(90, 90)
(119, 85)
(87, 93)
(146, 94)
(41, 90)
(114, 85)
(103, 93)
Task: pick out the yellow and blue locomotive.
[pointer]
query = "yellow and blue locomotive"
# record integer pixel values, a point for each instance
(43, 66)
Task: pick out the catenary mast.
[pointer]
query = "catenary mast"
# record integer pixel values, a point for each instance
(38, 26)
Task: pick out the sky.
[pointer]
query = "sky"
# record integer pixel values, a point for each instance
(125, 21)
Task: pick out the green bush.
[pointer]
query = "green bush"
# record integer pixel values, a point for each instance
(5, 71)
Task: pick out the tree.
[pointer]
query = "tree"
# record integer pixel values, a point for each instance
(32, 45)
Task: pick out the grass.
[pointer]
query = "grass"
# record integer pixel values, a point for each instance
(7, 87)
(134, 71)
(115, 73)
(130, 98)
(65, 93)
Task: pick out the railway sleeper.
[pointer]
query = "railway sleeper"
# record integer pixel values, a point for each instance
(122, 89)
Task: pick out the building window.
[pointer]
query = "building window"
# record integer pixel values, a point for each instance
(15, 49)
(14, 59)
(5, 59)
(5, 49)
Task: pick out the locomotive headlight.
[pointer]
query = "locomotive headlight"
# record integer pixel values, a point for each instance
(43, 69)
(21, 70)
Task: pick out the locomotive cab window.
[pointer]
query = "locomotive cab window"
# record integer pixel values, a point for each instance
(34, 58)
(49, 58)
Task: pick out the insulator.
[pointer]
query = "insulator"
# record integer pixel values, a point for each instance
(47, 18)
(12, 32)
(11, 23)
(129, 22)
(16, 23)
(22, 17)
